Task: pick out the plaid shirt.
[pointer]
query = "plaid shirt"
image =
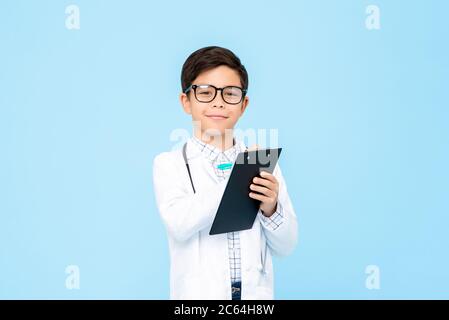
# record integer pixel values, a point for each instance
(217, 157)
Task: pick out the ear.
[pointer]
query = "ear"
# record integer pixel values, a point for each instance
(185, 102)
(244, 105)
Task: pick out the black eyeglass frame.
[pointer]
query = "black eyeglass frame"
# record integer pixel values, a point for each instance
(194, 87)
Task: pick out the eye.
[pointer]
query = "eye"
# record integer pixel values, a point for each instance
(232, 92)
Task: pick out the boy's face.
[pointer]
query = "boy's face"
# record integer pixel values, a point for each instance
(216, 116)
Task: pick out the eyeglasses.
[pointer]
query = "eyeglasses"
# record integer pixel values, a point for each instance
(206, 93)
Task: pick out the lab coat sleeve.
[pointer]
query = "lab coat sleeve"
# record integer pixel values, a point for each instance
(275, 220)
(282, 239)
(183, 213)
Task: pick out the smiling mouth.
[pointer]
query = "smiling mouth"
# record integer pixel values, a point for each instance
(217, 117)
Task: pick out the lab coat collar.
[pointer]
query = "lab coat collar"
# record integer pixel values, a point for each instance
(195, 157)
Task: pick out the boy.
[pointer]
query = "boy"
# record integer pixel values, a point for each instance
(189, 184)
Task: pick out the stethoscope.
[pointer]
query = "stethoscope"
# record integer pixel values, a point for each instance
(264, 255)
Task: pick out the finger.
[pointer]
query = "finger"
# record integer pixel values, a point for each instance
(264, 182)
(259, 197)
(263, 190)
(253, 147)
(269, 176)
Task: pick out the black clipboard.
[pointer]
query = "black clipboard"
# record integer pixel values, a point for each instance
(237, 211)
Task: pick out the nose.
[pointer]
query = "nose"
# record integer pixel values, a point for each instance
(218, 101)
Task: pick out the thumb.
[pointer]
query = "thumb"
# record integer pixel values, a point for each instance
(253, 147)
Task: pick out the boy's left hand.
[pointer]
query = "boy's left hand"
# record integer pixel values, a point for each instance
(265, 189)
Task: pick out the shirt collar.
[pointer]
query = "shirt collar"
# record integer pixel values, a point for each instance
(213, 153)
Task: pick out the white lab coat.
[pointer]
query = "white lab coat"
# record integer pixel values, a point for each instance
(199, 262)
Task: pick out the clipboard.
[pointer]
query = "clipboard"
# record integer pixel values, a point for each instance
(237, 211)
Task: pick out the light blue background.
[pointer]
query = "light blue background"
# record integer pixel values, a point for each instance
(362, 117)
